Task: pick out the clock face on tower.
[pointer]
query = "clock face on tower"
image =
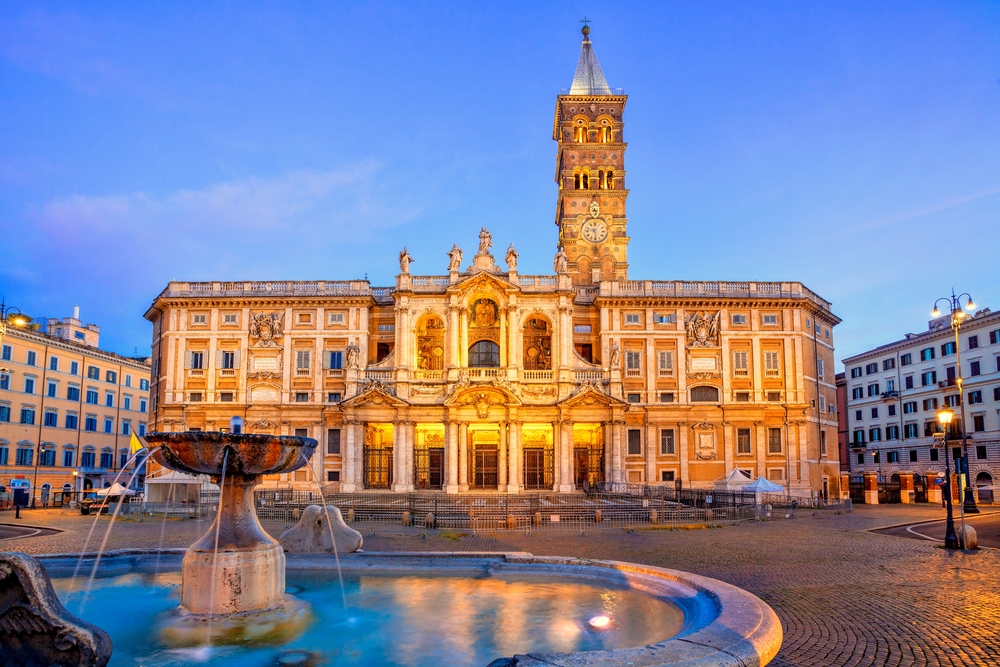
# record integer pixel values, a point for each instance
(594, 231)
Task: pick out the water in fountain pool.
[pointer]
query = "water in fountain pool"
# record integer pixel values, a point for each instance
(412, 620)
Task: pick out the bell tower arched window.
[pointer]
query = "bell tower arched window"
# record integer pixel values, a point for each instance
(580, 134)
(606, 134)
(585, 180)
(610, 179)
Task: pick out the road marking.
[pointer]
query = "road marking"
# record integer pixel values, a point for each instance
(909, 529)
(17, 537)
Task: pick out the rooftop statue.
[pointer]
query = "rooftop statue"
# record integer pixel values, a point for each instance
(485, 241)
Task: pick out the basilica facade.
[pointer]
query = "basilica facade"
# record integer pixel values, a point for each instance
(484, 379)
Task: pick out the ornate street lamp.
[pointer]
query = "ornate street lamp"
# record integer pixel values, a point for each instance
(957, 317)
(950, 538)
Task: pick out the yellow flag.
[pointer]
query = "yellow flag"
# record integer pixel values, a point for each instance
(134, 445)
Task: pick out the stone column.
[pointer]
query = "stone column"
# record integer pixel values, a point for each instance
(567, 483)
(760, 443)
(871, 487)
(728, 446)
(348, 460)
(502, 456)
(618, 461)
(454, 337)
(463, 456)
(906, 488)
(556, 455)
(514, 457)
(451, 457)
(682, 450)
(398, 456)
(463, 333)
(503, 337)
(651, 452)
(359, 455)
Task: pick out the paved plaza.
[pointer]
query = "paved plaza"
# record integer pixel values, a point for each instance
(845, 596)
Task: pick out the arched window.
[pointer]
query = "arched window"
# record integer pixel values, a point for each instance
(87, 457)
(67, 488)
(580, 134)
(704, 395)
(606, 134)
(68, 456)
(585, 180)
(537, 340)
(611, 179)
(577, 181)
(484, 354)
(46, 491)
(601, 183)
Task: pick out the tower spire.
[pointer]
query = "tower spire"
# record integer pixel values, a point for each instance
(589, 79)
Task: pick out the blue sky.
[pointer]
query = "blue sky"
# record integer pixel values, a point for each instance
(852, 146)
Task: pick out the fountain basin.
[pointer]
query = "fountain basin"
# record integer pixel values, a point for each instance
(714, 623)
(249, 454)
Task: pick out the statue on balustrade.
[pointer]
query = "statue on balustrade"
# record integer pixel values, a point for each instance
(455, 258)
(485, 241)
(404, 261)
(511, 258)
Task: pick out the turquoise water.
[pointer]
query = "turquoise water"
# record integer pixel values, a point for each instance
(412, 620)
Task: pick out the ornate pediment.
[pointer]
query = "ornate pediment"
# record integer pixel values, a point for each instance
(373, 392)
(483, 397)
(486, 284)
(591, 394)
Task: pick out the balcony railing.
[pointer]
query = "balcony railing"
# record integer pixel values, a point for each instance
(536, 376)
(425, 374)
(380, 375)
(682, 289)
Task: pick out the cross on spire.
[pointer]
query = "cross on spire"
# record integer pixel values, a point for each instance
(586, 28)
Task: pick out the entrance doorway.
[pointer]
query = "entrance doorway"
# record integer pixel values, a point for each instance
(588, 455)
(534, 469)
(484, 457)
(377, 459)
(430, 468)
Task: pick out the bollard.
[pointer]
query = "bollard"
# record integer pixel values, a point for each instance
(350, 515)
(407, 518)
(970, 541)
(708, 515)
(296, 514)
(598, 516)
(537, 519)
(653, 516)
(429, 521)
(511, 522)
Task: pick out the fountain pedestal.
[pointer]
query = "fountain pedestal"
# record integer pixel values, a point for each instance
(247, 573)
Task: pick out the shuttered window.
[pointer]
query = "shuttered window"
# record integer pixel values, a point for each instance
(740, 366)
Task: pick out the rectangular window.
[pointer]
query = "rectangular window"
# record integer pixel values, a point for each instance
(856, 372)
(873, 389)
(996, 394)
(230, 318)
(302, 397)
(906, 359)
(956, 453)
(820, 367)
(742, 441)
(892, 410)
(739, 320)
(772, 366)
(822, 403)
(5, 381)
(935, 454)
(875, 457)
(333, 441)
(857, 393)
(29, 385)
(4, 413)
(927, 354)
(930, 428)
(31, 358)
(874, 434)
(995, 337)
(110, 377)
(581, 328)
(68, 458)
(109, 399)
(861, 458)
(71, 422)
(195, 397)
(303, 360)
(335, 359)
(871, 369)
(978, 423)
(109, 425)
(386, 328)
(930, 404)
(976, 397)
(973, 342)
(333, 397)
(52, 419)
(774, 441)
(952, 401)
(53, 363)
(25, 456)
(740, 366)
(631, 318)
(665, 360)
(90, 423)
(333, 475)
(908, 382)
(928, 378)
(7, 353)
(634, 442)
(143, 385)
(667, 441)
(666, 475)
(126, 427)
(93, 373)
(666, 397)
(774, 396)
(858, 416)
(947, 349)
(225, 396)
(662, 319)
(633, 361)
(770, 320)
(196, 360)
(127, 404)
(893, 457)
(892, 432)
(91, 395)
(142, 405)
(199, 318)
(128, 380)
(634, 398)
(822, 443)
(975, 368)
(142, 430)
(981, 452)
(913, 456)
(228, 359)
(874, 413)
(52, 389)
(888, 364)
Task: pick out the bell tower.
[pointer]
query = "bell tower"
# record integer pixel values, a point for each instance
(590, 171)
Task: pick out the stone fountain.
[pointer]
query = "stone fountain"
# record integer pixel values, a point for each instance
(233, 578)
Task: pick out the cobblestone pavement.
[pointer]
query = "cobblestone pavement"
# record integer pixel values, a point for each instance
(845, 596)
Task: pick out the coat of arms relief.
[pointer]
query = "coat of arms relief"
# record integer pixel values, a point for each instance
(266, 328)
(703, 329)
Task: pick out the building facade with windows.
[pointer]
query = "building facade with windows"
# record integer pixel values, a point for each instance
(481, 378)
(894, 392)
(67, 409)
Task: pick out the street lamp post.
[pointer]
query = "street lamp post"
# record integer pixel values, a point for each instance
(957, 314)
(950, 538)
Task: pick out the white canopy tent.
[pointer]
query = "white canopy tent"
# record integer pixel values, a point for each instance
(734, 481)
(175, 487)
(115, 489)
